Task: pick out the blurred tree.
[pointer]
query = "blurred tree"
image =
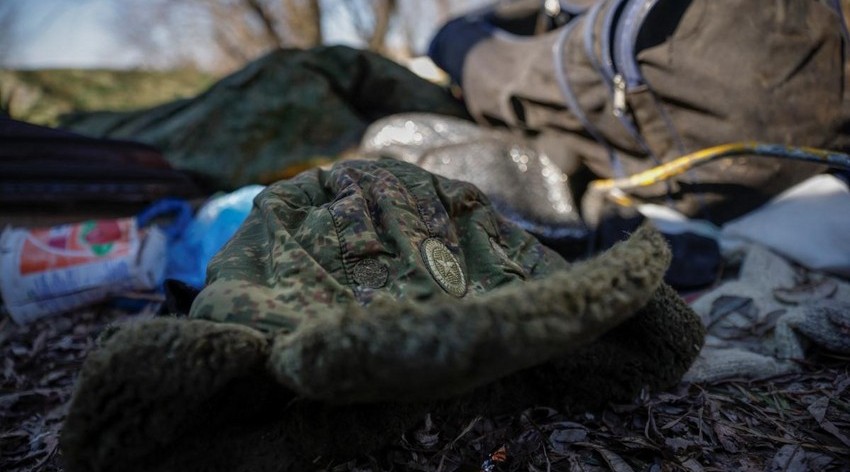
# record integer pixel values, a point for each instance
(169, 32)
(371, 20)
(304, 21)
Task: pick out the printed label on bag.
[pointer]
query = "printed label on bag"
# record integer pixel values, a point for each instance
(48, 271)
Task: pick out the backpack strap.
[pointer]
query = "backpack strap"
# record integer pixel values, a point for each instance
(634, 14)
(836, 5)
(608, 27)
(577, 7)
(618, 17)
(615, 39)
(572, 100)
(627, 76)
(591, 17)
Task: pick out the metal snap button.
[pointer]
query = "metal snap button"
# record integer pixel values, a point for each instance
(370, 273)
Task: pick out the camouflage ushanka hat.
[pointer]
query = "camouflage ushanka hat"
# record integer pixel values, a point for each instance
(381, 281)
(356, 298)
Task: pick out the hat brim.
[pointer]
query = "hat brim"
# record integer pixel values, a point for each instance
(398, 349)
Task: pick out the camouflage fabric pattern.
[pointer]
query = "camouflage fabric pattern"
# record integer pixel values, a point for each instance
(379, 281)
(283, 113)
(326, 240)
(362, 297)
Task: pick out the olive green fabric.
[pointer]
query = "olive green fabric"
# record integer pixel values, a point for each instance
(282, 113)
(337, 266)
(357, 299)
(716, 71)
(327, 240)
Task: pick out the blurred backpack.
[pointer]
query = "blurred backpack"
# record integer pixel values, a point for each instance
(632, 84)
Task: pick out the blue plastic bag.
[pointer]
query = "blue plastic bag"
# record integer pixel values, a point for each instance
(214, 224)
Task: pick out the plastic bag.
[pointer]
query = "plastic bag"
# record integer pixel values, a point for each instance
(47, 271)
(213, 225)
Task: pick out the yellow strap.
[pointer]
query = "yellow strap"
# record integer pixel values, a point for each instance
(682, 164)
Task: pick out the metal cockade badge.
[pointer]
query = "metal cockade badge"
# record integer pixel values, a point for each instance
(444, 267)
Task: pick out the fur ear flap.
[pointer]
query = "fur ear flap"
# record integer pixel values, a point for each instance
(652, 349)
(139, 391)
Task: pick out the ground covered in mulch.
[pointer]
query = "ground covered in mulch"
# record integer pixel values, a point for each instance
(791, 423)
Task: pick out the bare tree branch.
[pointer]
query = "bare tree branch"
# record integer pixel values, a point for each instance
(303, 19)
(371, 20)
(236, 31)
(269, 28)
(383, 11)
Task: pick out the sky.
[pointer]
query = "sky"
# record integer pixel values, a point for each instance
(64, 33)
(76, 34)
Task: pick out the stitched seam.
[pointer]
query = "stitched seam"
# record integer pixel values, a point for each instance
(348, 276)
(415, 200)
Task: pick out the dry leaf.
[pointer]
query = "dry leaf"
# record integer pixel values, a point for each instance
(427, 436)
(818, 411)
(679, 444)
(692, 465)
(726, 436)
(614, 461)
(808, 292)
(790, 458)
(560, 439)
(728, 304)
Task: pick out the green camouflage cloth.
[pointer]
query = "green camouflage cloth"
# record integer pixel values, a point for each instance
(374, 267)
(326, 240)
(285, 112)
(352, 301)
